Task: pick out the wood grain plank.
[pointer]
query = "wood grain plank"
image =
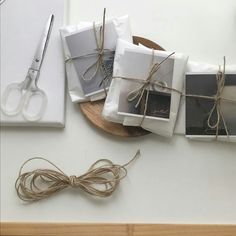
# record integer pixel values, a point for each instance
(65, 229)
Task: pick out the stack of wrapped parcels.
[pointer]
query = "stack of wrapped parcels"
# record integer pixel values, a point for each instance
(159, 91)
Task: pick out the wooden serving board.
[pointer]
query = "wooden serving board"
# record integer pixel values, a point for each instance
(93, 110)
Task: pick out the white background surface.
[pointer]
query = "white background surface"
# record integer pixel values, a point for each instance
(174, 180)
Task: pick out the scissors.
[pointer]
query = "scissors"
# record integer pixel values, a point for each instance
(28, 88)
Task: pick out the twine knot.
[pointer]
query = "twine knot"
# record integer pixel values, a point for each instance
(74, 181)
(217, 98)
(100, 52)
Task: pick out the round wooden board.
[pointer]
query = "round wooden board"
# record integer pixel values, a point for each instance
(93, 110)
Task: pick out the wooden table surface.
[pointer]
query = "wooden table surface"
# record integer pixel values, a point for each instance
(37, 229)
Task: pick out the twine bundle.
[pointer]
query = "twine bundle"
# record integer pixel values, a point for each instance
(101, 180)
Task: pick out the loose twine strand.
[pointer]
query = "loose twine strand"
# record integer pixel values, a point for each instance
(101, 180)
(217, 98)
(100, 52)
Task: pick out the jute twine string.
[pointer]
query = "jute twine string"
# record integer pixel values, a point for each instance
(101, 180)
(217, 98)
(100, 52)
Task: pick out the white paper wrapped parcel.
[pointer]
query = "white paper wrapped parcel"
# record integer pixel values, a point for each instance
(197, 67)
(159, 126)
(22, 24)
(122, 28)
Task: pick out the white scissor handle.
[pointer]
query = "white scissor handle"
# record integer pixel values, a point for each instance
(23, 102)
(6, 109)
(27, 97)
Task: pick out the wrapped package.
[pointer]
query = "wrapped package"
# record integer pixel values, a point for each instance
(196, 111)
(134, 103)
(89, 73)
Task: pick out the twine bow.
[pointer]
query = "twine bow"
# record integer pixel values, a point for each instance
(216, 108)
(100, 52)
(101, 180)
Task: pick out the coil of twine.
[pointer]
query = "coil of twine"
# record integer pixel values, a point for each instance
(101, 180)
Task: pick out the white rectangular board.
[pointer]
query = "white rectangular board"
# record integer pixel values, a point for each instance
(22, 23)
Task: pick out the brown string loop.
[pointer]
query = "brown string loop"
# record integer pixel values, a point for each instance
(216, 108)
(101, 180)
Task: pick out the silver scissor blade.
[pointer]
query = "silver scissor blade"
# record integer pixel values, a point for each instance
(41, 49)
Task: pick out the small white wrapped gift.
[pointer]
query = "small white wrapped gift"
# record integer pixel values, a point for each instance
(154, 106)
(194, 114)
(85, 67)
